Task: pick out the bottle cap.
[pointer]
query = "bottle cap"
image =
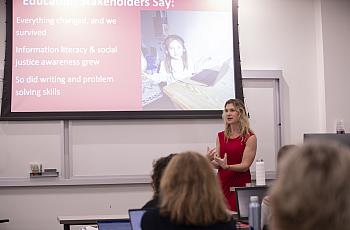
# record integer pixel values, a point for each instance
(254, 198)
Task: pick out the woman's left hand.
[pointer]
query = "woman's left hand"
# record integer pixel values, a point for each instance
(222, 161)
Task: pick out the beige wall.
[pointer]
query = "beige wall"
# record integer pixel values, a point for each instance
(336, 45)
(280, 34)
(37, 208)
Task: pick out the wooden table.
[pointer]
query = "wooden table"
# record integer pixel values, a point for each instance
(191, 95)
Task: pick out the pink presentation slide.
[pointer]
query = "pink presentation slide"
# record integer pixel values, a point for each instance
(87, 55)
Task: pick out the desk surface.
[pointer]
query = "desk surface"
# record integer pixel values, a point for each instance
(82, 220)
(77, 220)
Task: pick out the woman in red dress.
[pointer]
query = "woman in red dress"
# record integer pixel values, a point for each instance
(235, 150)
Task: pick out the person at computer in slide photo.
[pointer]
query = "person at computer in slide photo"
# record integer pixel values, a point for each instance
(177, 64)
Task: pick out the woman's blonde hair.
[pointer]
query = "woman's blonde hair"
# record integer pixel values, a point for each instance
(190, 192)
(313, 190)
(243, 119)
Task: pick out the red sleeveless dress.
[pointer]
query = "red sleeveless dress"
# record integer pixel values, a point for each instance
(234, 149)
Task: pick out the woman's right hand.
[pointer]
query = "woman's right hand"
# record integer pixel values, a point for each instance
(211, 153)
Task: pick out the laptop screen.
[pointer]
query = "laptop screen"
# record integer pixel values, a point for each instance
(340, 138)
(113, 225)
(243, 195)
(135, 218)
(210, 77)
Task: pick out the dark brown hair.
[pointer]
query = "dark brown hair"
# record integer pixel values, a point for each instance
(158, 169)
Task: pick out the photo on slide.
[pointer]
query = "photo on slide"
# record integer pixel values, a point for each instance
(186, 59)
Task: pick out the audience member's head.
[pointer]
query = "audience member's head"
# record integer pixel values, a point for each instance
(313, 190)
(190, 192)
(158, 170)
(283, 152)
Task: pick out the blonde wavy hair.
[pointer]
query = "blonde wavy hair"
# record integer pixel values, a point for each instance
(190, 192)
(313, 190)
(243, 119)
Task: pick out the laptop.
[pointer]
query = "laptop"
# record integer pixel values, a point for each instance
(343, 139)
(243, 195)
(135, 216)
(114, 225)
(209, 77)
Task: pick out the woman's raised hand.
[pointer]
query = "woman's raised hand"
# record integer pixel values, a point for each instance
(211, 153)
(222, 162)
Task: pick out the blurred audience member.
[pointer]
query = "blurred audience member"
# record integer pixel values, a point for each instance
(158, 169)
(190, 198)
(265, 206)
(313, 189)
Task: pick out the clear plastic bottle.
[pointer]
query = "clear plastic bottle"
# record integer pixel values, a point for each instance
(254, 213)
(339, 127)
(260, 172)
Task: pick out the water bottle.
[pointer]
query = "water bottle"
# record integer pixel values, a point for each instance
(339, 127)
(254, 213)
(260, 172)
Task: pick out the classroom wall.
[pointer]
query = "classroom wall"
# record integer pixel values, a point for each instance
(336, 46)
(37, 208)
(281, 35)
(306, 39)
